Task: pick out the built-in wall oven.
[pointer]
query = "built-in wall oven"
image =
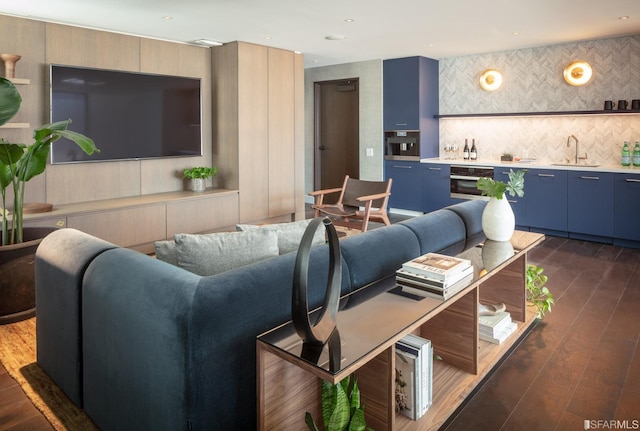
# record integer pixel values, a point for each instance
(464, 181)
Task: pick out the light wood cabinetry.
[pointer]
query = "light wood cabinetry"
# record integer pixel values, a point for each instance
(256, 124)
(137, 222)
(289, 385)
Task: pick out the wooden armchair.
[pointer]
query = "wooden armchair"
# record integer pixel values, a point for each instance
(354, 194)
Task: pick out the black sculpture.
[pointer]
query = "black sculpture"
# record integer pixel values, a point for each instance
(325, 325)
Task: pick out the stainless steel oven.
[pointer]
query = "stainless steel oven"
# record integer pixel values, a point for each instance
(464, 181)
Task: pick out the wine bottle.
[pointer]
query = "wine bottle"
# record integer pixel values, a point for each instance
(635, 158)
(626, 155)
(465, 151)
(473, 154)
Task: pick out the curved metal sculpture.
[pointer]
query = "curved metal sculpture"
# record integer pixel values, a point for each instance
(325, 325)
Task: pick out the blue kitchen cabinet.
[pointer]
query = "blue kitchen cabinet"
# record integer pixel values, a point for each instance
(626, 208)
(546, 208)
(518, 204)
(406, 187)
(411, 100)
(436, 186)
(590, 205)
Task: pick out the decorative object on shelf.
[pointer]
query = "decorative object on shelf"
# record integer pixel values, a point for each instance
(577, 73)
(198, 177)
(498, 220)
(506, 157)
(537, 293)
(341, 408)
(18, 164)
(10, 61)
(491, 79)
(325, 324)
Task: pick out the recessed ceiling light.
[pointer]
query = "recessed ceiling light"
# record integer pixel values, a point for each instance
(349, 20)
(267, 37)
(334, 37)
(167, 18)
(622, 18)
(207, 42)
(515, 33)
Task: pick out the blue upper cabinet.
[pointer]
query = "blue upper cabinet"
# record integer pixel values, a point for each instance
(410, 92)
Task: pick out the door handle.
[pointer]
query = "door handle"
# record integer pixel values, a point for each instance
(546, 175)
(323, 148)
(631, 180)
(402, 167)
(589, 178)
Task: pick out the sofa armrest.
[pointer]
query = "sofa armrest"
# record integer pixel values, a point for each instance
(61, 260)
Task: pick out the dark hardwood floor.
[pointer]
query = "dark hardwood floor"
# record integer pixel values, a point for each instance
(582, 362)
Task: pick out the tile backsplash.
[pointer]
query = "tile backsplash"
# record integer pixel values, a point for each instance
(533, 82)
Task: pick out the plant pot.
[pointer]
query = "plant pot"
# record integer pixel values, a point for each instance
(17, 276)
(506, 158)
(198, 184)
(498, 220)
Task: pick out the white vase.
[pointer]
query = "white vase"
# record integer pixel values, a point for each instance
(494, 253)
(498, 221)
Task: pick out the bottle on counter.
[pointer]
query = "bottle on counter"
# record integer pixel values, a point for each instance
(635, 157)
(473, 154)
(465, 150)
(626, 155)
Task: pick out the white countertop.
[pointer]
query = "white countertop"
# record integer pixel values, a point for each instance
(533, 165)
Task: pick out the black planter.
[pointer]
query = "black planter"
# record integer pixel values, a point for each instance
(17, 276)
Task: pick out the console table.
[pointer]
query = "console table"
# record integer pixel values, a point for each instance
(372, 319)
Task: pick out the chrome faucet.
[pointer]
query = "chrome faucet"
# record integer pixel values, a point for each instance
(578, 157)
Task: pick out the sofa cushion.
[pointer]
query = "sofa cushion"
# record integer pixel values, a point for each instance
(438, 231)
(471, 214)
(289, 234)
(166, 251)
(214, 253)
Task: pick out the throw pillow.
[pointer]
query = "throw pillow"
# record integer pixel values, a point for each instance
(214, 253)
(166, 251)
(289, 234)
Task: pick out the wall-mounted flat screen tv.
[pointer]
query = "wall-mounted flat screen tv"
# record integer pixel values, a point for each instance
(129, 115)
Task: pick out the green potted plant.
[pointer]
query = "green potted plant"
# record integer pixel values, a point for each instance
(19, 163)
(341, 408)
(198, 176)
(538, 295)
(506, 157)
(498, 220)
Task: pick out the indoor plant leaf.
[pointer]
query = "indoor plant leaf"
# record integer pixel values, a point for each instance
(10, 101)
(341, 414)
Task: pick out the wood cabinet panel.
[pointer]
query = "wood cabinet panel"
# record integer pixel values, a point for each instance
(202, 215)
(281, 132)
(125, 227)
(253, 132)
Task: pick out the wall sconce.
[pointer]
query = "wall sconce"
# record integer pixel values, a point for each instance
(577, 73)
(491, 80)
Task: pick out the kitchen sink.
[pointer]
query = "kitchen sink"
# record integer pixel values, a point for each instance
(586, 165)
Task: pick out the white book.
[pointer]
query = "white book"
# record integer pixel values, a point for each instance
(403, 275)
(436, 266)
(502, 335)
(426, 369)
(406, 388)
(492, 325)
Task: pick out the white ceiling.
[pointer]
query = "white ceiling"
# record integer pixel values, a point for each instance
(380, 29)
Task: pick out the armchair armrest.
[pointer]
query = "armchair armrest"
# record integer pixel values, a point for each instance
(373, 197)
(325, 191)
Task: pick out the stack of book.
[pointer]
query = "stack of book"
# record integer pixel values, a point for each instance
(435, 275)
(414, 376)
(497, 327)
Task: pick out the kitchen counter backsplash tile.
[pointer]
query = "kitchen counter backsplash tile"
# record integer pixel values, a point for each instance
(544, 138)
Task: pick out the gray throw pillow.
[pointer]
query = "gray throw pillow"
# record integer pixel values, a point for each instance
(289, 234)
(166, 251)
(214, 253)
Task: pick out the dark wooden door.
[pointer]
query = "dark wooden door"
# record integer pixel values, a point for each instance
(336, 132)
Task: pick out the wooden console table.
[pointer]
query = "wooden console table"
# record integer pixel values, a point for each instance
(372, 320)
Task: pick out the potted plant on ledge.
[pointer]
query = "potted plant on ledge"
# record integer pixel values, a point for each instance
(19, 163)
(498, 220)
(198, 177)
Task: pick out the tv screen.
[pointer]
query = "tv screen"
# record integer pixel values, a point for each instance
(128, 115)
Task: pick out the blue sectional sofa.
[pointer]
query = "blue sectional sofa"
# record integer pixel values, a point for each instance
(141, 344)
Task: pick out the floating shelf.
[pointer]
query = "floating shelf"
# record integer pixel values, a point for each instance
(539, 114)
(20, 81)
(15, 126)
